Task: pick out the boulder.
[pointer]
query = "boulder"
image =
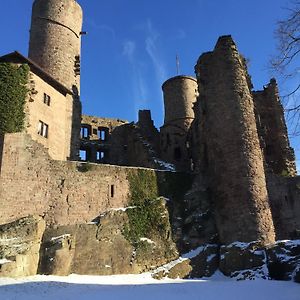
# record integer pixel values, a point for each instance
(201, 262)
(243, 260)
(296, 274)
(206, 263)
(20, 243)
(283, 259)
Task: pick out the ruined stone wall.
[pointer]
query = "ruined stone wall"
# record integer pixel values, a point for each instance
(57, 115)
(130, 148)
(148, 130)
(234, 158)
(55, 40)
(180, 94)
(121, 143)
(96, 136)
(63, 192)
(284, 194)
(278, 154)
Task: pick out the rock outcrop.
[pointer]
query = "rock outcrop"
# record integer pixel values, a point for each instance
(20, 243)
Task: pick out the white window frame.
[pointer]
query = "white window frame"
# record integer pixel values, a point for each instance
(43, 129)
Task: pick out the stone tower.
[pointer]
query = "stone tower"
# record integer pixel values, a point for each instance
(55, 40)
(180, 94)
(234, 160)
(272, 130)
(55, 45)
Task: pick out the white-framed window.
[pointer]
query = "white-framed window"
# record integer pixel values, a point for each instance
(43, 129)
(47, 99)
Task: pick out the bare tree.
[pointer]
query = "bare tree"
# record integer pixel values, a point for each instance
(287, 64)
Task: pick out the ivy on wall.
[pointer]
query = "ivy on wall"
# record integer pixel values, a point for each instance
(13, 91)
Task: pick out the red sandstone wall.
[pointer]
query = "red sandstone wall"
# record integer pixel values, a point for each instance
(234, 158)
(32, 183)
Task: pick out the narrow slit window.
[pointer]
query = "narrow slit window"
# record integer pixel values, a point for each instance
(43, 129)
(112, 191)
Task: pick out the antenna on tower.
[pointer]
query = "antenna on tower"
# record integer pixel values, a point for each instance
(177, 64)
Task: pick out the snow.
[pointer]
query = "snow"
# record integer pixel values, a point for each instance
(61, 237)
(144, 239)
(167, 166)
(4, 261)
(184, 257)
(240, 245)
(123, 209)
(197, 251)
(289, 242)
(137, 287)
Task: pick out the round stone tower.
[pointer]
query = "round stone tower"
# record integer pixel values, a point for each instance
(233, 157)
(180, 94)
(55, 40)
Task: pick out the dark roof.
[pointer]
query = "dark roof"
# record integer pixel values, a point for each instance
(16, 57)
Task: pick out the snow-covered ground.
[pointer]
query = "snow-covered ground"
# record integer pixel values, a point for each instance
(143, 287)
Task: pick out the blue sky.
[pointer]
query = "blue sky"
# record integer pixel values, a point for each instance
(131, 46)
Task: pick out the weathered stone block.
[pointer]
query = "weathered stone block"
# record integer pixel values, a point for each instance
(206, 263)
(57, 256)
(19, 247)
(242, 260)
(284, 259)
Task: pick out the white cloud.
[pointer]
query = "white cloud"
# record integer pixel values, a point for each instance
(129, 49)
(139, 87)
(153, 52)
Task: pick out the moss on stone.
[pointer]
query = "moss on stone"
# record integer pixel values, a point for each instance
(13, 91)
(147, 218)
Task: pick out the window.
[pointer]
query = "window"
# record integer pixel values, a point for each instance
(47, 99)
(102, 133)
(77, 65)
(83, 155)
(100, 156)
(85, 131)
(43, 129)
(112, 191)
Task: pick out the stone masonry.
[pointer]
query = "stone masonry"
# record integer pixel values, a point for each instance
(55, 40)
(222, 160)
(279, 156)
(180, 94)
(234, 157)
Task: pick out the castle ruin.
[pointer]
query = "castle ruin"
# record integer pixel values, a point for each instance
(229, 141)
